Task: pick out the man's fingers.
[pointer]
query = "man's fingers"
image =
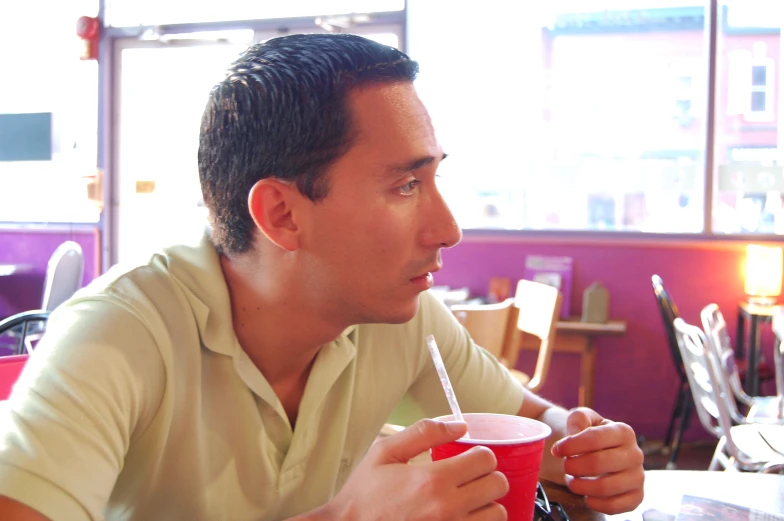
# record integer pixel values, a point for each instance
(608, 461)
(479, 492)
(609, 485)
(605, 436)
(468, 466)
(418, 438)
(491, 512)
(578, 421)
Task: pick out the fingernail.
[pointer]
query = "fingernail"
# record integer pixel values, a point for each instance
(555, 450)
(455, 427)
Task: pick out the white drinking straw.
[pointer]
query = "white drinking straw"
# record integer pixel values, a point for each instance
(450, 393)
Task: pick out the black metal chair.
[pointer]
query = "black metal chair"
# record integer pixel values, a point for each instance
(18, 332)
(684, 402)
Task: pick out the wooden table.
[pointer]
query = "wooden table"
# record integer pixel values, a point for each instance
(664, 490)
(573, 336)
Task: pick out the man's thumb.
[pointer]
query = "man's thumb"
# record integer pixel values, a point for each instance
(418, 438)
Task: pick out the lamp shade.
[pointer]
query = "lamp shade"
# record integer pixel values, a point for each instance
(763, 272)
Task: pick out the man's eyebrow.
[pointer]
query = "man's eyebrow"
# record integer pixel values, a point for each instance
(414, 165)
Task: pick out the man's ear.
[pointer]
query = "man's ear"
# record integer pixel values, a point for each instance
(271, 203)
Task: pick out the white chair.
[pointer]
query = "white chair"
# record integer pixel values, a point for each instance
(63, 275)
(63, 278)
(778, 356)
(762, 409)
(19, 332)
(740, 447)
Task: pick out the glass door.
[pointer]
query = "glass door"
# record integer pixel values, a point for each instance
(162, 89)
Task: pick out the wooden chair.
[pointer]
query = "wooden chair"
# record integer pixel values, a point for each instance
(492, 326)
(537, 306)
(499, 328)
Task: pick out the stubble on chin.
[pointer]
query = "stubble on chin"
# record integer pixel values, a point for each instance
(393, 314)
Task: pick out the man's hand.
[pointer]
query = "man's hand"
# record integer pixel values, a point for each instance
(603, 462)
(384, 486)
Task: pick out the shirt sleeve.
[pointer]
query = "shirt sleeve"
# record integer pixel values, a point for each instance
(91, 387)
(480, 382)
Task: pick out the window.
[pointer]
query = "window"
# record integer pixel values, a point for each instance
(748, 182)
(683, 102)
(48, 114)
(583, 117)
(592, 115)
(685, 76)
(761, 109)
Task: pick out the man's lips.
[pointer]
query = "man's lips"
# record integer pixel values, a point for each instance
(427, 273)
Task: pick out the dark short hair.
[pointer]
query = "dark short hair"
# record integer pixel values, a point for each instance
(282, 111)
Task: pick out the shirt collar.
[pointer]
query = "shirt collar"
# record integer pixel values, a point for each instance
(196, 267)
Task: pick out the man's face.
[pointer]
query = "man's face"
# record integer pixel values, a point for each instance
(370, 246)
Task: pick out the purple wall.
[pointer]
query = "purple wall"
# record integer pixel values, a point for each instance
(635, 379)
(24, 291)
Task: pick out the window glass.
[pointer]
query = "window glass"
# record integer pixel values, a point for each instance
(586, 116)
(748, 179)
(48, 114)
(127, 13)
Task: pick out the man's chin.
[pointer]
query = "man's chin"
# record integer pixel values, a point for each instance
(399, 314)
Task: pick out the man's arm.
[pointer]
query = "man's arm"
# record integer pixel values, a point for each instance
(540, 409)
(16, 511)
(595, 457)
(93, 381)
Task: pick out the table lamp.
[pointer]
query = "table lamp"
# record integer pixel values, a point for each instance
(763, 273)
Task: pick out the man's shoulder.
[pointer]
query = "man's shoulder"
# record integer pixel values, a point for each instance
(129, 283)
(170, 280)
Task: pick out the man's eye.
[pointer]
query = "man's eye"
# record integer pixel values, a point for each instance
(409, 188)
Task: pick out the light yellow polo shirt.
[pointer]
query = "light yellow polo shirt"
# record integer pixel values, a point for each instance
(139, 403)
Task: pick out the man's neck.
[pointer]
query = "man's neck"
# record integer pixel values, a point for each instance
(274, 322)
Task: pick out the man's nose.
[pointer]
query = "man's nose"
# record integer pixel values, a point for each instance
(441, 229)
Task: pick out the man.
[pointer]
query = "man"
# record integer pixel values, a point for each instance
(247, 376)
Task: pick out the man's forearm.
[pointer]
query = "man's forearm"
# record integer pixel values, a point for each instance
(552, 467)
(536, 407)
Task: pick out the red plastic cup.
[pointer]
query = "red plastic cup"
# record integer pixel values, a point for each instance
(518, 445)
